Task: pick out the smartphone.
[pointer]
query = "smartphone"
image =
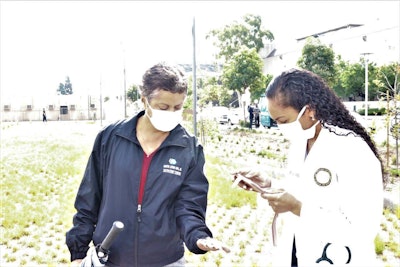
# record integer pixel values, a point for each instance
(254, 185)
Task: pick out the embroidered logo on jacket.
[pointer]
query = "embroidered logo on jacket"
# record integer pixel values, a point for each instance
(172, 168)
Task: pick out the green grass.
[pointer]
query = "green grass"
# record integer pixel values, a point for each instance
(39, 178)
(221, 192)
(34, 184)
(41, 172)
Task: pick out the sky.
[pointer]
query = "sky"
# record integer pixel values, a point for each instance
(92, 42)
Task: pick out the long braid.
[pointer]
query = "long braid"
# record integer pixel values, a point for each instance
(297, 88)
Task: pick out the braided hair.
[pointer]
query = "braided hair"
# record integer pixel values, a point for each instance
(297, 88)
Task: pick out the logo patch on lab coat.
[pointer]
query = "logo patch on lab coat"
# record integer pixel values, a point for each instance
(323, 177)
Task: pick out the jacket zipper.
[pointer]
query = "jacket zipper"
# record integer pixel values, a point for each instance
(143, 178)
(139, 211)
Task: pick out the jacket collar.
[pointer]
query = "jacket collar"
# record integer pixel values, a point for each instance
(178, 136)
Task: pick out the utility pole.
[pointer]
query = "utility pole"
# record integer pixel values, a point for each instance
(124, 91)
(101, 105)
(124, 74)
(194, 80)
(366, 82)
(365, 54)
(124, 86)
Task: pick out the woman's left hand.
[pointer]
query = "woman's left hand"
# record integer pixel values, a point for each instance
(283, 202)
(210, 244)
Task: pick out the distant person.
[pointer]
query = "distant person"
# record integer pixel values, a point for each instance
(332, 201)
(250, 109)
(44, 116)
(256, 112)
(147, 172)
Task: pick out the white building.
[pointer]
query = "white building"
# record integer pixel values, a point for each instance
(57, 107)
(351, 42)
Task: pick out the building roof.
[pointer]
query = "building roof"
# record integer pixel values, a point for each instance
(316, 35)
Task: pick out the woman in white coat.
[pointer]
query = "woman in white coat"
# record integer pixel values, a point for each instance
(332, 199)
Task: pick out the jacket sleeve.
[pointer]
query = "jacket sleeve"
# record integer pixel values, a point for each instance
(87, 204)
(191, 203)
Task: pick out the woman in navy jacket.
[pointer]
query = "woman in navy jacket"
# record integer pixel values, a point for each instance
(147, 172)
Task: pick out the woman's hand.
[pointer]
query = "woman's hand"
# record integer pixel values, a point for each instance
(76, 263)
(210, 244)
(254, 176)
(282, 202)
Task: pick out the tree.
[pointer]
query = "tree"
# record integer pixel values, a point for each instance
(319, 59)
(258, 93)
(133, 93)
(352, 81)
(188, 104)
(244, 71)
(248, 33)
(66, 88)
(61, 89)
(209, 92)
(388, 79)
(338, 87)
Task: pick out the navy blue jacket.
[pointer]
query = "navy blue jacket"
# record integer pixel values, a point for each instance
(174, 203)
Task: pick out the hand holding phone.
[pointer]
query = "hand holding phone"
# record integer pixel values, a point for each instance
(254, 186)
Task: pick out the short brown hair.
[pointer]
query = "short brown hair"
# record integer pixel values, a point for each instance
(163, 77)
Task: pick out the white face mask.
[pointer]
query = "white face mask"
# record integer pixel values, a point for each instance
(294, 131)
(163, 120)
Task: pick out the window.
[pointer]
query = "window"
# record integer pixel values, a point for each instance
(63, 110)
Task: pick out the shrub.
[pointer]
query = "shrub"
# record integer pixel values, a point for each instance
(379, 245)
(373, 111)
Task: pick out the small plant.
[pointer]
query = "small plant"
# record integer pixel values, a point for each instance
(204, 258)
(37, 184)
(242, 253)
(384, 227)
(379, 245)
(397, 212)
(394, 172)
(218, 262)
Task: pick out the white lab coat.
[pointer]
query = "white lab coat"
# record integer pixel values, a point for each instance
(344, 209)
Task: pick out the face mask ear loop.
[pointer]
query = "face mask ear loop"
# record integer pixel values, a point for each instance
(147, 109)
(301, 113)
